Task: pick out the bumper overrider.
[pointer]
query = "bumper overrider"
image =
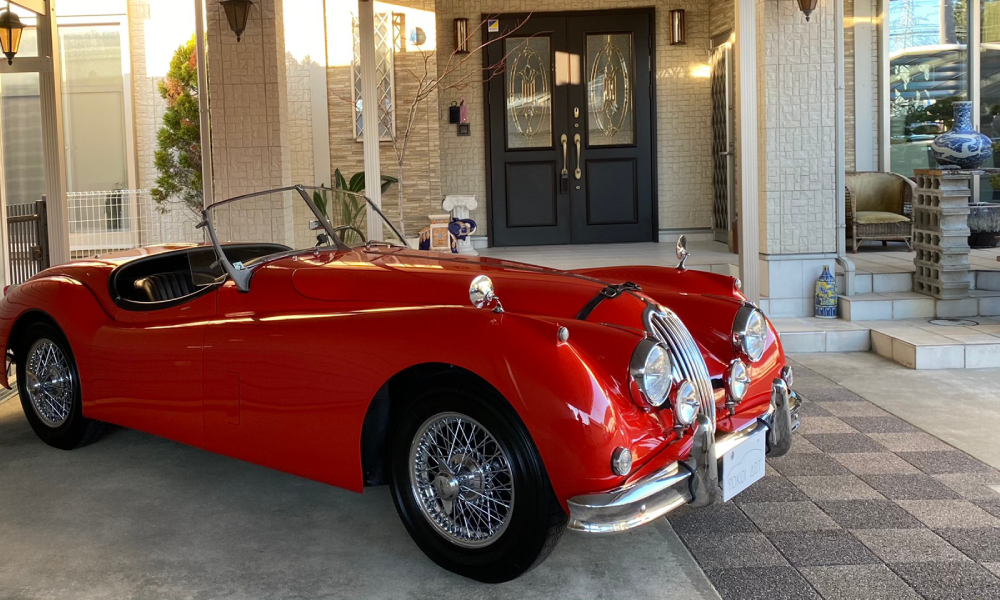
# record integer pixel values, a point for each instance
(694, 481)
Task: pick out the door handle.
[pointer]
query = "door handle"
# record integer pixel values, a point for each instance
(578, 173)
(564, 140)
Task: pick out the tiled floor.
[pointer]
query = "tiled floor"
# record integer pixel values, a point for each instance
(864, 506)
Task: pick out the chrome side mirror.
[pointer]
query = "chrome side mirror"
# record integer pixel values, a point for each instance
(481, 294)
(682, 252)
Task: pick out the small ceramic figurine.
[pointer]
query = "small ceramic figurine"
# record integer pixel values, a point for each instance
(826, 295)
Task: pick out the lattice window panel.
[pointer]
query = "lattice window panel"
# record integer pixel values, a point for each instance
(384, 41)
(720, 141)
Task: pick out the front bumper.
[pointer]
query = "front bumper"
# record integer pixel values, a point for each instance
(694, 481)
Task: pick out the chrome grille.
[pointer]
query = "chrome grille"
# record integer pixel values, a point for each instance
(689, 364)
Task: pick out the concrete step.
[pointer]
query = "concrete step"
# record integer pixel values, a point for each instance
(911, 305)
(918, 344)
(809, 334)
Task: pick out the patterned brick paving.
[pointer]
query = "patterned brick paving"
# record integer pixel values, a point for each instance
(864, 506)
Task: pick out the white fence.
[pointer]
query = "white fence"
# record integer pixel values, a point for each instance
(122, 219)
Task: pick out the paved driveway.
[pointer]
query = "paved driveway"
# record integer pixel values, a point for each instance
(134, 516)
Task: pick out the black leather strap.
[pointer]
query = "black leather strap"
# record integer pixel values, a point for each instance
(611, 291)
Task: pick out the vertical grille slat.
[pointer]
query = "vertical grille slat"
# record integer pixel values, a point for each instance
(666, 327)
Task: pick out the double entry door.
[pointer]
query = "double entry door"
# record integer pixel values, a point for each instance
(570, 128)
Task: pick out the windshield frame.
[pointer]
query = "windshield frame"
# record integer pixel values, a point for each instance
(241, 274)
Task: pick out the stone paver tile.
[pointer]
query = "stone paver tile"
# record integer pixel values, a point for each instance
(800, 445)
(835, 487)
(939, 463)
(788, 516)
(870, 514)
(857, 582)
(990, 506)
(825, 425)
(853, 409)
(973, 486)
(908, 545)
(938, 514)
(820, 548)
(829, 394)
(910, 487)
(771, 489)
(911, 442)
(836, 443)
(879, 424)
(814, 463)
(875, 463)
(812, 410)
(994, 567)
(944, 581)
(717, 518)
(761, 583)
(981, 545)
(724, 551)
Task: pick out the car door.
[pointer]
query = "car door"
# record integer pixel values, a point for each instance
(149, 374)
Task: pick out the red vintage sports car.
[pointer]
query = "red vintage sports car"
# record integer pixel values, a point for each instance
(502, 402)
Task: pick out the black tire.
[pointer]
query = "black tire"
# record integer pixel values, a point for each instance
(69, 429)
(535, 520)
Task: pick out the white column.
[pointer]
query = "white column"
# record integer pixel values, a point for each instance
(53, 139)
(205, 122)
(749, 218)
(864, 91)
(369, 114)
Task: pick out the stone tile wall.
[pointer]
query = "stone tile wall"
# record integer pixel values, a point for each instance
(683, 109)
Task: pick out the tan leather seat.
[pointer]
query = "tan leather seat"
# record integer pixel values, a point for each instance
(164, 287)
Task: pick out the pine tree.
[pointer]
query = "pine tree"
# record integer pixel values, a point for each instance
(178, 154)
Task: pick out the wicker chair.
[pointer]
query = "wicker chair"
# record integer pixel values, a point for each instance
(879, 206)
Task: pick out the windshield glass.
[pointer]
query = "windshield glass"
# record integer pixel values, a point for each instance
(249, 228)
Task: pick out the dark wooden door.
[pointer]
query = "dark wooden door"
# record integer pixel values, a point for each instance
(570, 129)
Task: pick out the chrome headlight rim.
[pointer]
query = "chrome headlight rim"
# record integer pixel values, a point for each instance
(750, 333)
(654, 387)
(685, 405)
(737, 380)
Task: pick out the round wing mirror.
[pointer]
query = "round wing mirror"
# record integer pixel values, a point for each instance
(682, 251)
(481, 291)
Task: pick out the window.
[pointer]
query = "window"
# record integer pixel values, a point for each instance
(383, 71)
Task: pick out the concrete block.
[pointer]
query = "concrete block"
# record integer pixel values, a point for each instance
(863, 283)
(989, 307)
(951, 309)
(804, 341)
(982, 356)
(913, 309)
(904, 353)
(988, 280)
(940, 357)
(854, 309)
(848, 341)
(785, 279)
(790, 307)
(892, 282)
(881, 344)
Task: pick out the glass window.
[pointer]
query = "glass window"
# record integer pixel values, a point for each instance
(384, 41)
(529, 92)
(928, 72)
(989, 90)
(23, 152)
(609, 89)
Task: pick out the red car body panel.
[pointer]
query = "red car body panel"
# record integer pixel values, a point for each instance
(283, 375)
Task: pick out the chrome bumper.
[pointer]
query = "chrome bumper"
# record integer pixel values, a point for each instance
(694, 481)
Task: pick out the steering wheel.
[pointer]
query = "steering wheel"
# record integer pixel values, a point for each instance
(361, 234)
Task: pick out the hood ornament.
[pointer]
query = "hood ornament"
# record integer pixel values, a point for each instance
(682, 252)
(482, 295)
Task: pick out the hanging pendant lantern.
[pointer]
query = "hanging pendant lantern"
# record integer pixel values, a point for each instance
(11, 29)
(807, 7)
(237, 13)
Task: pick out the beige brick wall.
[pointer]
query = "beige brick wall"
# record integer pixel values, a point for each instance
(683, 108)
(722, 16)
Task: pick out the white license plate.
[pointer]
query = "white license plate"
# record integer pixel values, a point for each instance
(743, 465)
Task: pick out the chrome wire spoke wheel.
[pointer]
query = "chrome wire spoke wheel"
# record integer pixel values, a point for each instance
(461, 479)
(49, 382)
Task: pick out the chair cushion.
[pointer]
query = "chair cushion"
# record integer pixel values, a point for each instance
(164, 286)
(871, 217)
(874, 191)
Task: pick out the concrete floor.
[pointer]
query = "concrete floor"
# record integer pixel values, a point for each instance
(960, 407)
(135, 516)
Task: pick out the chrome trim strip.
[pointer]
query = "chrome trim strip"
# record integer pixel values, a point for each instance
(667, 327)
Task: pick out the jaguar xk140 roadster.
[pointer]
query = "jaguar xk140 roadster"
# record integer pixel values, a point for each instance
(503, 403)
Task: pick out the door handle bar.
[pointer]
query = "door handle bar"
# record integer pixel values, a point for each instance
(564, 140)
(578, 173)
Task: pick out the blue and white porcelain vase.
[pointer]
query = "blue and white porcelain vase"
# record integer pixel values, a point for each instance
(826, 295)
(963, 146)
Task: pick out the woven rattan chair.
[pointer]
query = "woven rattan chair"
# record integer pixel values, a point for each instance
(879, 206)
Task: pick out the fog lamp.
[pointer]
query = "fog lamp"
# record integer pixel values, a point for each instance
(686, 404)
(621, 461)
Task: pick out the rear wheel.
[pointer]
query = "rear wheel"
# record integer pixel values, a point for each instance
(469, 485)
(49, 385)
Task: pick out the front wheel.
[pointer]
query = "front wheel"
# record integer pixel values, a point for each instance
(469, 485)
(49, 385)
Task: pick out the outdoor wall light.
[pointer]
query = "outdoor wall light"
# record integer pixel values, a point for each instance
(11, 29)
(807, 7)
(461, 36)
(237, 13)
(678, 35)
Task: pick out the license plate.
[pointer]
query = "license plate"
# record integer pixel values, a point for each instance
(743, 465)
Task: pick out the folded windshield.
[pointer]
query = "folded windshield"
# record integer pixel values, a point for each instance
(293, 219)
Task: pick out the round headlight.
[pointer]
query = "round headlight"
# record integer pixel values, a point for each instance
(686, 404)
(652, 370)
(750, 332)
(621, 461)
(737, 380)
